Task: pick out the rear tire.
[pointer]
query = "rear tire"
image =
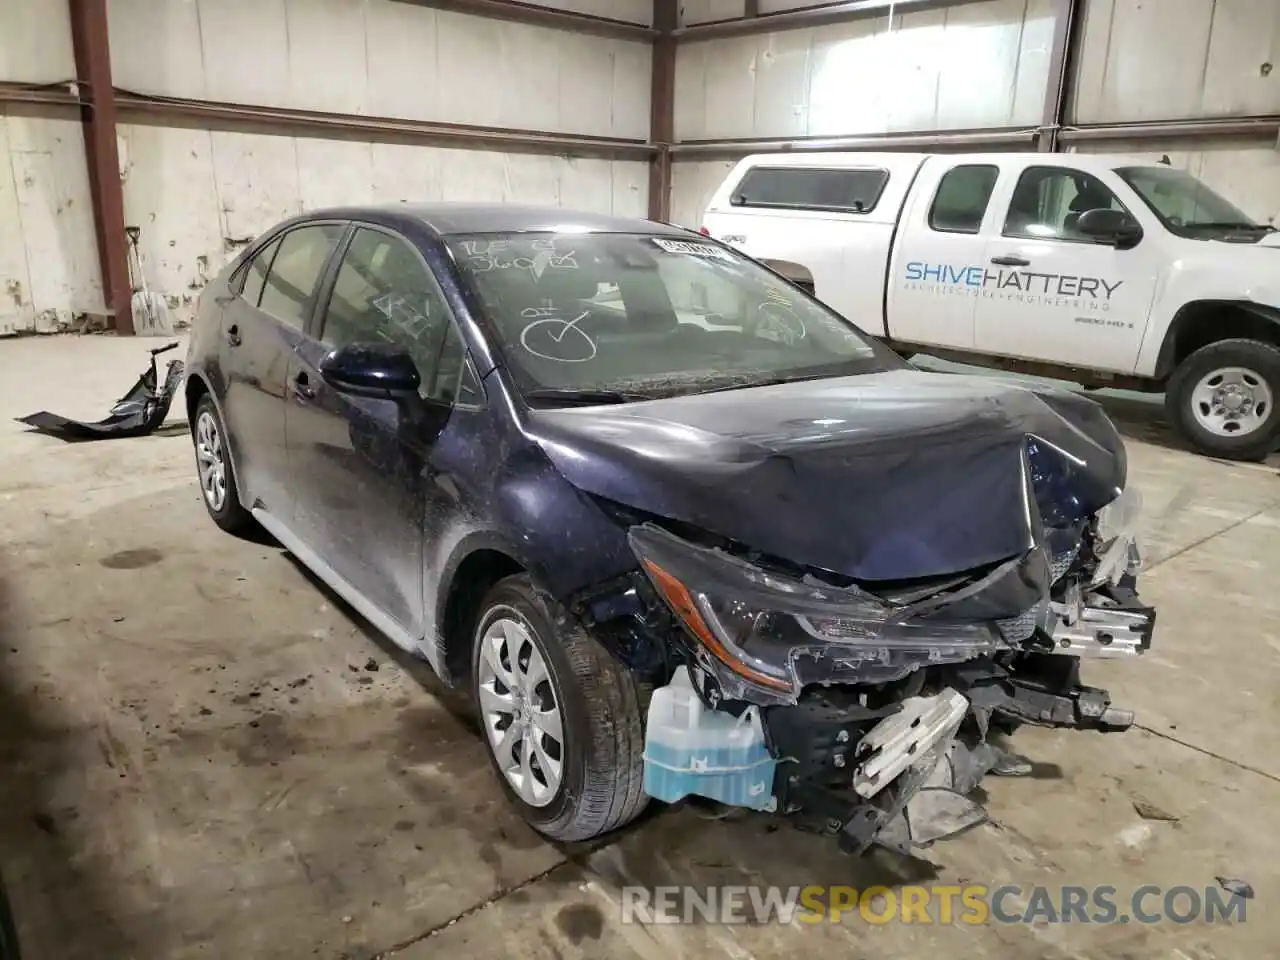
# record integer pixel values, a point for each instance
(218, 488)
(1205, 386)
(593, 782)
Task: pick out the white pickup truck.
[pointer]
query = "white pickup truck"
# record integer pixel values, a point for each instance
(1109, 271)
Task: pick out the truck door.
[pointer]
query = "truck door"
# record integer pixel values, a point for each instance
(935, 274)
(1051, 293)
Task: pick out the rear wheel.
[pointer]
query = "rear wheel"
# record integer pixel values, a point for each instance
(217, 476)
(1223, 399)
(562, 718)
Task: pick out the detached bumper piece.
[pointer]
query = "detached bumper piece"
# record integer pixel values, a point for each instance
(139, 412)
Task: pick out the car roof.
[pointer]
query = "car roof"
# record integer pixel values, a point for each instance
(453, 218)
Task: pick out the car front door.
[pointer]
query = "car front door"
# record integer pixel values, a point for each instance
(261, 327)
(1052, 293)
(937, 265)
(364, 483)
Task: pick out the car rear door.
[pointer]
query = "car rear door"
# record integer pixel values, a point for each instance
(261, 326)
(935, 275)
(364, 483)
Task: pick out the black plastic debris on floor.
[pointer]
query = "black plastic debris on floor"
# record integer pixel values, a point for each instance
(139, 412)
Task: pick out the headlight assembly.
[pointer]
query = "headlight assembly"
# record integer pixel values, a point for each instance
(758, 629)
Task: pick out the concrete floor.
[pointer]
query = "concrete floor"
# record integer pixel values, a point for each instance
(198, 758)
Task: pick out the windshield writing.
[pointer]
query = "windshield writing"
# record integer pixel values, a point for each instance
(655, 315)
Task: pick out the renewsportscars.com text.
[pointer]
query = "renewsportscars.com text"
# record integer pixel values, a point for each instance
(937, 904)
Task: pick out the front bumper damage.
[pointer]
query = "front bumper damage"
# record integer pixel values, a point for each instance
(885, 710)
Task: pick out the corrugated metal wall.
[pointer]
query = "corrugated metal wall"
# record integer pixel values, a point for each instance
(977, 65)
(985, 65)
(198, 194)
(48, 255)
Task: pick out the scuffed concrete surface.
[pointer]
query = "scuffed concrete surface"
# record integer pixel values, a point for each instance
(196, 759)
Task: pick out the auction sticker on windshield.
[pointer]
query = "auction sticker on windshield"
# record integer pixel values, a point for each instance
(694, 249)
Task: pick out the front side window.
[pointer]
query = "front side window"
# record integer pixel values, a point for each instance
(651, 315)
(385, 292)
(962, 198)
(255, 275)
(1183, 203)
(291, 286)
(1048, 201)
(809, 188)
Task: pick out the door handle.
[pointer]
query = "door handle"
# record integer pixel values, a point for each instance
(302, 387)
(1011, 261)
(233, 335)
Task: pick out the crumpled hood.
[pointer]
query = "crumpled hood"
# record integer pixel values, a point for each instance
(885, 476)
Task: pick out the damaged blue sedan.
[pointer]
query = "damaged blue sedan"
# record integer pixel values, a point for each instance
(678, 527)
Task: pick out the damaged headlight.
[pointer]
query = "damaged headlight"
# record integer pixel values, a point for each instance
(1116, 531)
(779, 633)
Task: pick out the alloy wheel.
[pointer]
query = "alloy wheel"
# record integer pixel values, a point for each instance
(211, 460)
(521, 714)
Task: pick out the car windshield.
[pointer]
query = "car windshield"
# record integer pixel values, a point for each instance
(1182, 201)
(612, 317)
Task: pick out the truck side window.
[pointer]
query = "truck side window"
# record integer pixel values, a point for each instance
(811, 188)
(1048, 201)
(962, 197)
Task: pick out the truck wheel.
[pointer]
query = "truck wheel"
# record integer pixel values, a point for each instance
(1223, 399)
(563, 719)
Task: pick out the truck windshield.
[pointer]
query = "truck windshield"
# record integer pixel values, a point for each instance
(599, 318)
(1183, 203)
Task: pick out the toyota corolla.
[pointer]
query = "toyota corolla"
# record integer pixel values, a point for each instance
(677, 526)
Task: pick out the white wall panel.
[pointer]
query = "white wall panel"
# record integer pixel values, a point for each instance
(386, 59)
(48, 253)
(705, 11)
(199, 196)
(974, 65)
(1173, 59)
(634, 11)
(692, 184)
(1245, 172)
(35, 41)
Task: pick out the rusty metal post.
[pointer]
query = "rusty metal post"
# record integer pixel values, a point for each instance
(1068, 16)
(98, 117)
(662, 107)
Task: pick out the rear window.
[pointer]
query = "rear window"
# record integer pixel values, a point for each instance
(810, 188)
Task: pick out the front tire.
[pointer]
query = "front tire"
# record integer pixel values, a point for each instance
(218, 487)
(1223, 399)
(561, 717)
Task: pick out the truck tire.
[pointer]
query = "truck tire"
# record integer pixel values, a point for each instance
(534, 669)
(1224, 399)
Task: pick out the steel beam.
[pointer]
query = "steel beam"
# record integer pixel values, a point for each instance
(1267, 125)
(994, 137)
(57, 95)
(541, 16)
(1068, 17)
(98, 117)
(662, 108)
(214, 114)
(822, 15)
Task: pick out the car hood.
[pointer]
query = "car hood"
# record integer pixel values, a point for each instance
(887, 476)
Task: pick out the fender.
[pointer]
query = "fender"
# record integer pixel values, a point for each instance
(525, 495)
(1244, 279)
(1189, 314)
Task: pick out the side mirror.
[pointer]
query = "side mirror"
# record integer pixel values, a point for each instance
(372, 370)
(1109, 226)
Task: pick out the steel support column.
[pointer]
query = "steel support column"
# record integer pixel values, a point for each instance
(662, 107)
(1068, 16)
(98, 116)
